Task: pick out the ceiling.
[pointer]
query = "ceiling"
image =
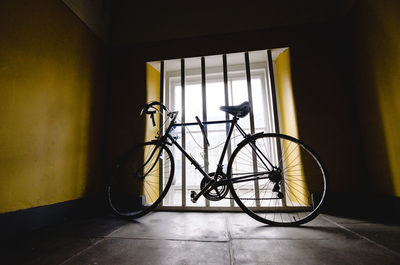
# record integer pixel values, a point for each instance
(132, 21)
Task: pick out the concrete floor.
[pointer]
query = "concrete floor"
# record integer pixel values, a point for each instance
(206, 238)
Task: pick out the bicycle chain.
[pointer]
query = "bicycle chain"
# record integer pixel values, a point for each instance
(248, 199)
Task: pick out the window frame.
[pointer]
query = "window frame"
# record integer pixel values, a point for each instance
(215, 74)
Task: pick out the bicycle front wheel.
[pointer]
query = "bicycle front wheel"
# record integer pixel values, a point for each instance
(141, 180)
(277, 179)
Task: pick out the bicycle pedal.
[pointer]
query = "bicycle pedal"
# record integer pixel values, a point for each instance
(193, 195)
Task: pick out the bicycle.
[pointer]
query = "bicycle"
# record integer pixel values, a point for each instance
(274, 178)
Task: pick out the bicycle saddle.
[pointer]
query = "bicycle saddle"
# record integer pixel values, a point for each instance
(239, 110)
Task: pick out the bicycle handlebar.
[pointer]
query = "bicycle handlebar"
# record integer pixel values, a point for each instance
(151, 105)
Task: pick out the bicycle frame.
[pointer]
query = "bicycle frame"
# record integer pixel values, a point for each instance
(233, 123)
(263, 167)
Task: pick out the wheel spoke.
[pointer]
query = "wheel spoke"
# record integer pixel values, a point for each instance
(285, 198)
(151, 160)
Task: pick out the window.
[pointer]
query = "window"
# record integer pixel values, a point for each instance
(210, 82)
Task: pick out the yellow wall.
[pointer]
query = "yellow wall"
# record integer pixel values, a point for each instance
(51, 92)
(153, 94)
(376, 40)
(288, 122)
(287, 107)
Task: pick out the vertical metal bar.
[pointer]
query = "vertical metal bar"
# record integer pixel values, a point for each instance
(252, 129)
(276, 117)
(204, 103)
(183, 132)
(161, 163)
(225, 70)
(273, 91)
(226, 94)
(249, 91)
(161, 92)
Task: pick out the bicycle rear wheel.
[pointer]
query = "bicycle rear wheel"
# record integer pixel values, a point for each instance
(141, 180)
(277, 179)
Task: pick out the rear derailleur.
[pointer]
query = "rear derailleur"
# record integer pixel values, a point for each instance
(276, 177)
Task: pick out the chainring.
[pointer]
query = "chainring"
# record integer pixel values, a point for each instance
(217, 193)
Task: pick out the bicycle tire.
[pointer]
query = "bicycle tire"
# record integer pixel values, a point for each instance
(288, 191)
(134, 189)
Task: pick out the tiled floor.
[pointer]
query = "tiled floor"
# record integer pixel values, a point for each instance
(206, 238)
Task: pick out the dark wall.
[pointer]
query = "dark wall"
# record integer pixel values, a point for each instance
(146, 21)
(375, 41)
(326, 102)
(126, 98)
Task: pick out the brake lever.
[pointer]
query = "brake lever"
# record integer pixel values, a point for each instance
(152, 119)
(142, 111)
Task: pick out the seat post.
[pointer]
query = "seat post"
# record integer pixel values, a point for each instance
(227, 142)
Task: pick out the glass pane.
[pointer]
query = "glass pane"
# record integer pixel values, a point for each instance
(193, 94)
(194, 137)
(193, 103)
(194, 142)
(262, 98)
(215, 97)
(214, 88)
(259, 104)
(216, 132)
(172, 90)
(173, 101)
(238, 91)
